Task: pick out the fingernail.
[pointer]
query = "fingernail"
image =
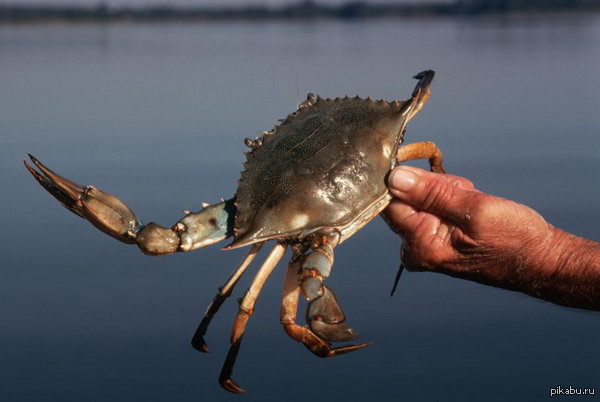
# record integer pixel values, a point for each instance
(402, 179)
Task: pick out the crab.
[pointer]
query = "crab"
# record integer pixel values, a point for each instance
(309, 184)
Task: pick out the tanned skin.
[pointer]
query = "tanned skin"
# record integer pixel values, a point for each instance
(449, 226)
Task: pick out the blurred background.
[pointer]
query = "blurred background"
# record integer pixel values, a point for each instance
(155, 112)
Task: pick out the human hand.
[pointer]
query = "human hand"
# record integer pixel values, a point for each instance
(449, 226)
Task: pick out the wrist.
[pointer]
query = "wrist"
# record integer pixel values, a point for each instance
(564, 269)
(545, 258)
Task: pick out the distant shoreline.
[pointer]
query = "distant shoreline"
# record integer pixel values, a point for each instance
(304, 10)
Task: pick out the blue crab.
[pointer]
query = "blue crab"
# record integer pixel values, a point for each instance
(309, 184)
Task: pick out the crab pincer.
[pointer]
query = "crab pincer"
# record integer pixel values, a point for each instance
(107, 213)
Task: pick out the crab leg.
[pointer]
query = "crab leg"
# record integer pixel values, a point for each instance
(245, 311)
(109, 214)
(317, 344)
(198, 341)
(421, 92)
(418, 150)
(422, 150)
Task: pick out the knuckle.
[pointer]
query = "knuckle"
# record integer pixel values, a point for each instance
(465, 184)
(436, 194)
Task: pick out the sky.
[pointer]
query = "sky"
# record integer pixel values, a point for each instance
(194, 2)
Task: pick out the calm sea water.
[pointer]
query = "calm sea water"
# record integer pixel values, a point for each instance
(156, 114)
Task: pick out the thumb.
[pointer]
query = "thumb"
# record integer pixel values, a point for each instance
(432, 193)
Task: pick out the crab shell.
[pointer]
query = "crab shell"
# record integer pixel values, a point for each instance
(323, 169)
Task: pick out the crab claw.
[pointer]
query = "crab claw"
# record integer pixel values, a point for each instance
(326, 318)
(107, 213)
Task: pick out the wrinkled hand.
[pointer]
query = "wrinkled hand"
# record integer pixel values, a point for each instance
(449, 226)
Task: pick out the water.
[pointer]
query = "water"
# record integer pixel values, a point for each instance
(156, 113)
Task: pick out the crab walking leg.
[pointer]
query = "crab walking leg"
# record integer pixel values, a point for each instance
(291, 293)
(422, 150)
(421, 93)
(198, 341)
(418, 150)
(245, 311)
(289, 311)
(109, 214)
